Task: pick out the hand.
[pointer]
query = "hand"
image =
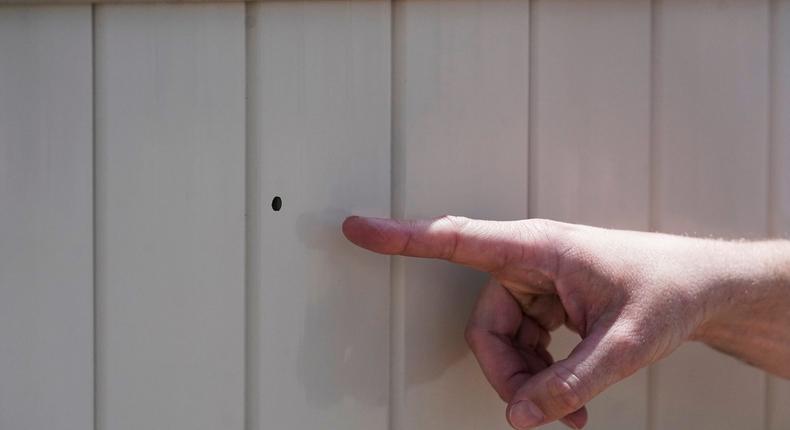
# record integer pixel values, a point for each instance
(632, 297)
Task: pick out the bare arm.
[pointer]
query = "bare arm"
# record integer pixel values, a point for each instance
(750, 297)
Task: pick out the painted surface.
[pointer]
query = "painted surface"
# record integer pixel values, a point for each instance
(169, 159)
(318, 134)
(161, 133)
(46, 220)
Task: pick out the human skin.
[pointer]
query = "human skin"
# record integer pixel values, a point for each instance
(633, 297)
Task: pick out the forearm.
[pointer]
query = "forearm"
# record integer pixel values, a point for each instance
(750, 312)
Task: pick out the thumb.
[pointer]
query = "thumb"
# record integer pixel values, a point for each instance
(567, 385)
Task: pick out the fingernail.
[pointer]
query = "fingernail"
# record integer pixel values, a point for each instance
(570, 423)
(524, 415)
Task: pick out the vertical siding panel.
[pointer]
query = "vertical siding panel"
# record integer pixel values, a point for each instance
(460, 146)
(170, 216)
(590, 142)
(779, 398)
(779, 389)
(319, 136)
(711, 100)
(46, 239)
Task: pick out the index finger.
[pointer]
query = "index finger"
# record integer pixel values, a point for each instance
(483, 245)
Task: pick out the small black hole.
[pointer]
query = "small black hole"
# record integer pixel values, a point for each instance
(277, 203)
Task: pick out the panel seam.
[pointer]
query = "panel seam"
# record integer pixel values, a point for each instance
(652, 371)
(531, 177)
(770, 180)
(248, 231)
(395, 405)
(94, 221)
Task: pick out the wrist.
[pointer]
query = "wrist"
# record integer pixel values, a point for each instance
(744, 281)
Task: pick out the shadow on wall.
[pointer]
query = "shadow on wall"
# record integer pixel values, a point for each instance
(336, 358)
(439, 301)
(335, 361)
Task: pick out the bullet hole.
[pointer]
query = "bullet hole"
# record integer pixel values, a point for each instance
(277, 203)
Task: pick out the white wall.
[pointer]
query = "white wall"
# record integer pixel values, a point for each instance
(146, 282)
(46, 218)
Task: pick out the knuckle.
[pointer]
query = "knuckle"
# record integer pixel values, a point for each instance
(544, 227)
(537, 229)
(453, 221)
(553, 232)
(472, 335)
(567, 390)
(627, 337)
(625, 343)
(454, 227)
(638, 342)
(627, 350)
(552, 242)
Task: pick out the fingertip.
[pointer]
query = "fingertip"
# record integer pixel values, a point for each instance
(374, 234)
(349, 223)
(355, 229)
